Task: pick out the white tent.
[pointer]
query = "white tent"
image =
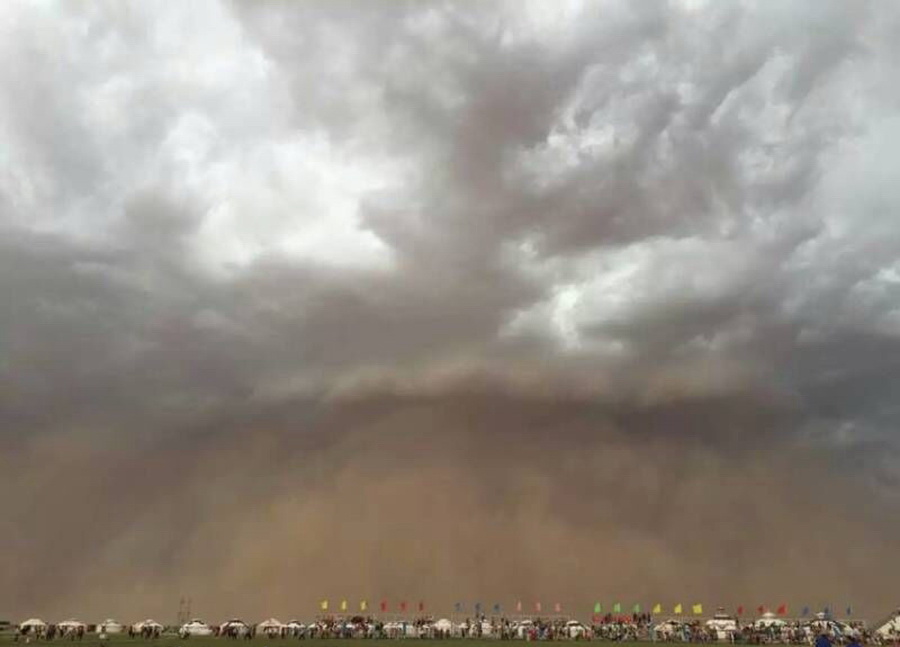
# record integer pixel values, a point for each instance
(234, 623)
(272, 624)
(71, 624)
(152, 625)
(891, 627)
(195, 627)
(575, 629)
(110, 626)
(769, 619)
(444, 625)
(723, 624)
(33, 625)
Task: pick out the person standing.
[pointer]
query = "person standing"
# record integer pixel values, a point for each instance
(822, 640)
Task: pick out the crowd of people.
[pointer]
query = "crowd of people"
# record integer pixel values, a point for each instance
(635, 628)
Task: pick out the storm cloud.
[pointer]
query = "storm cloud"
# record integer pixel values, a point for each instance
(447, 301)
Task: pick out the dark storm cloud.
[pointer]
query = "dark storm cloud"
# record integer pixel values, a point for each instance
(357, 294)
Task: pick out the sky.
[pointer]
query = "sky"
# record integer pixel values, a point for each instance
(448, 301)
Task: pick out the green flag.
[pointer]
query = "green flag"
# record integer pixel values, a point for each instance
(617, 608)
(636, 608)
(598, 608)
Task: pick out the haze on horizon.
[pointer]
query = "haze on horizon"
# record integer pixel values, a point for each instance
(497, 301)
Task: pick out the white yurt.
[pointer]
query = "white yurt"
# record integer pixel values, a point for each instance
(723, 624)
(195, 627)
(890, 627)
(668, 629)
(149, 624)
(769, 619)
(234, 624)
(33, 626)
(575, 629)
(270, 626)
(444, 626)
(110, 626)
(71, 625)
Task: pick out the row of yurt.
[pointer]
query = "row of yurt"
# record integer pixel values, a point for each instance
(108, 626)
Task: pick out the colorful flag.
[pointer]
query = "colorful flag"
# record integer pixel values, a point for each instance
(849, 611)
(557, 607)
(760, 609)
(617, 607)
(677, 611)
(363, 605)
(740, 610)
(805, 612)
(421, 606)
(383, 606)
(496, 607)
(698, 609)
(598, 608)
(478, 607)
(782, 609)
(537, 607)
(636, 608)
(519, 606)
(403, 606)
(827, 611)
(657, 608)
(323, 605)
(343, 605)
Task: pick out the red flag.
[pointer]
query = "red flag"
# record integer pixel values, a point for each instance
(761, 609)
(403, 606)
(383, 606)
(537, 607)
(782, 610)
(421, 606)
(740, 610)
(557, 607)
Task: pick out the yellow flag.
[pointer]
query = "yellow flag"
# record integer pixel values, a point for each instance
(324, 605)
(678, 610)
(698, 609)
(343, 605)
(363, 605)
(657, 608)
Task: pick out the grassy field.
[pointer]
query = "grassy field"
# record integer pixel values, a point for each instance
(91, 640)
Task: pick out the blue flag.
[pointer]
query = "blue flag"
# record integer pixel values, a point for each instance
(497, 608)
(805, 612)
(458, 607)
(478, 607)
(849, 611)
(827, 611)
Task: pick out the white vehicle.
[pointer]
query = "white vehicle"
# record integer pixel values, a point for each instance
(195, 627)
(110, 626)
(724, 625)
